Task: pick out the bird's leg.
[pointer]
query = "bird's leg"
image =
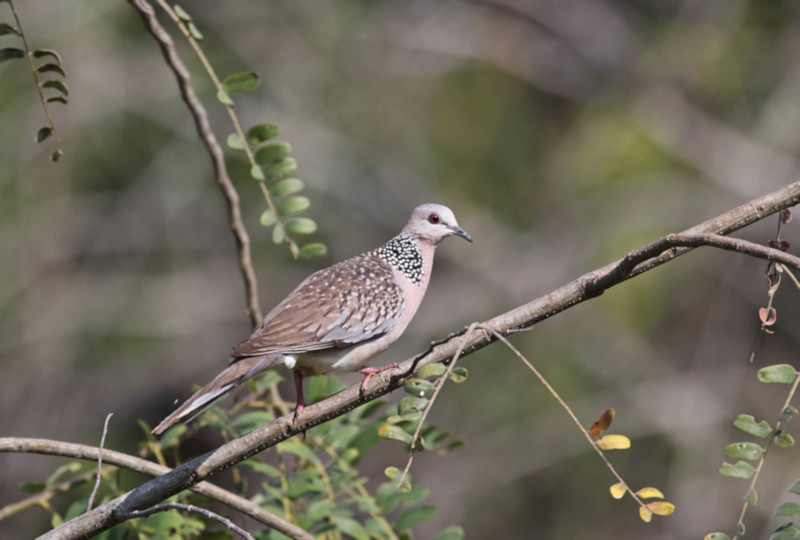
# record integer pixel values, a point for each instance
(298, 386)
(369, 371)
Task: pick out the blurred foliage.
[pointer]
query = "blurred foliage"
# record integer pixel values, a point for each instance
(561, 137)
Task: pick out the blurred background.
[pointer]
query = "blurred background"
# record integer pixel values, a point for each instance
(561, 134)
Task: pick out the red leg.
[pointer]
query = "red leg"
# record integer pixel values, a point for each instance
(298, 386)
(369, 371)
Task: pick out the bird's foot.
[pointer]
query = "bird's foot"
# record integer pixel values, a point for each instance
(369, 371)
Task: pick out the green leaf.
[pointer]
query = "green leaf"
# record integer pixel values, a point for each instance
(458, 375)
(778, 373)
(352, 528)
(240, 82)
(419, 388)
(431, 371)
(181, 13)
(277, 234)
(6, 29)
(287, 186)
(46, 68)
(272, 152)
(299, 449)
(195, 33)
(280, 168)
(751, 497)
(57, 99)
(292, 205)
(742, 469)
(259, 466)
(57, 85)
(415, 516)
(795, 487)
(68, 468)
(394, 432)
(251, 420)
(789, 509)
(173, 435)
(257, 173)
(41, 53)
(787, 413)
(450, 533)
(224, 98)
(301, 226)
(744, 450)
(716, 536)
(43, 133)
(9, 53)
(234, 142)
(320, 509)
(32, 487)
(786, 531)
(315, 249)
(267, 218)
(783, 439)
(747, 423)
(56, 155)
(262, 132)
(411, 416)
(410, 403)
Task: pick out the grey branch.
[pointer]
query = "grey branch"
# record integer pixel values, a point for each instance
(133, 463)
(585, 287)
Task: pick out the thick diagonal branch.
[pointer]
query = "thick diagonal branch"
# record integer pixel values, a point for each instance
(587, 286)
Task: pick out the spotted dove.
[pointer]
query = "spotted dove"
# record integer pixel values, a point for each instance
(340, 317)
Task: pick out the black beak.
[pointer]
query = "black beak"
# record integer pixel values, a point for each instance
(458, 231)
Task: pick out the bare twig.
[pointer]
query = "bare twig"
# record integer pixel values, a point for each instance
(571, 294)
(214, 149)
(190, 508)
(99, 463)
(439, 385)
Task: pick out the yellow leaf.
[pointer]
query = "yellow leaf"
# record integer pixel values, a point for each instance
(662, 508)
(650, 493)
(614, 442)
(617, 490)
(645, 514)
(602, 423)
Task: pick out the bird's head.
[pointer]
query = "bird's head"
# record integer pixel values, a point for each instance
(433, 222)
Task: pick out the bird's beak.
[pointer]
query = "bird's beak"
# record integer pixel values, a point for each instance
(458, 231)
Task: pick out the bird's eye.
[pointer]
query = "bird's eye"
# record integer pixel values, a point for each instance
(434, 218)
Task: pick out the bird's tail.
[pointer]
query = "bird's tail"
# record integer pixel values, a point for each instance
(235, 374)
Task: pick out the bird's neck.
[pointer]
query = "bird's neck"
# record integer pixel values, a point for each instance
(406, 254)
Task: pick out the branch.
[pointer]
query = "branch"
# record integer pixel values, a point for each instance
(136, 464)
(587, 286)
(191, 508)
(214, 149)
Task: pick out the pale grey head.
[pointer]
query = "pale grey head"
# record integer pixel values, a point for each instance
(432, 222)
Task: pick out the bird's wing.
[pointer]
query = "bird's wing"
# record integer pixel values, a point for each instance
(349, 302)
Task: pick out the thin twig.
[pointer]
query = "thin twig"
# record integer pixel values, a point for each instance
(439, 385)
(214, 149)
(99, 463)
(190, 508)
(567, 408)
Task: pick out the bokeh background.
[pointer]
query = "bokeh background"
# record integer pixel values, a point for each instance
(562, 135)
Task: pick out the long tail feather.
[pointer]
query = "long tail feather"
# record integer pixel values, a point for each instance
(231, 377)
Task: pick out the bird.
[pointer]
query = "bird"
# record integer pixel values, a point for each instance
(340, 317)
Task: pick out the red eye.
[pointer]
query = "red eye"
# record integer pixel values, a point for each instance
(434, 218)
